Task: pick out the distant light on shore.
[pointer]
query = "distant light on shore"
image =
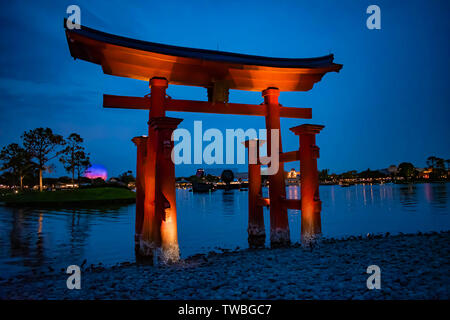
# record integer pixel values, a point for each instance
(96, 171)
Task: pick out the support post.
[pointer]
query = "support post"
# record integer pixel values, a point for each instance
(309, 179)
(158, 88)
(150, 238)
(141, 144)
(165, 198)
(279, 226)
(256, 230)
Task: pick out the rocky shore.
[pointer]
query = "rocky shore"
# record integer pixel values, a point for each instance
(412, 267)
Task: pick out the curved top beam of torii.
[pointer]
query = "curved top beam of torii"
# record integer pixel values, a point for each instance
(143, 60)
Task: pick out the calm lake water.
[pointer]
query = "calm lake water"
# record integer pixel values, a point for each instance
(39, 238)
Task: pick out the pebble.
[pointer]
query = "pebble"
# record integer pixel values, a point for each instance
(410, 269)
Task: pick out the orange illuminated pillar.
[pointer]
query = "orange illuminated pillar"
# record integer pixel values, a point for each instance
(279, 226)
(158, 88)
(165, 198)
(256, 230)
(309, 179)
(151, 228)
(141, 144)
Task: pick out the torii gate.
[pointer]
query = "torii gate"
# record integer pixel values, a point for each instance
(156, 218)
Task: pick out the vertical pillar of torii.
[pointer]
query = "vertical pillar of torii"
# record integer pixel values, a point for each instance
(256, 230)
(279, 226)
(166, 206)
(141, 144)
(309, 181)
(159, 223)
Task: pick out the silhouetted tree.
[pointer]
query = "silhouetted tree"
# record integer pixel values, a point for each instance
(227, 176)
(82, 163)
(74, 157)
(440, 167)
(349, 174)
(431, 161)
(371, 174)
(42, 145)
(406, 170)
(324, 174)
(440, 163)
(211, 178)
(8, 178)
(127, 177)
(98, 182)
(15, 159)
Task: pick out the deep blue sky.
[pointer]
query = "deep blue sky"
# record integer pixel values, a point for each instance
(390, 103)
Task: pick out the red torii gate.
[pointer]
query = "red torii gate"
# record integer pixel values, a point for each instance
(156, 219)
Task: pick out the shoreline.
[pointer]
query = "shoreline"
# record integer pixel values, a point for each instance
(413, 266)
(69, 198)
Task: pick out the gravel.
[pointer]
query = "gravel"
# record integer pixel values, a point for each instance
(413, 266)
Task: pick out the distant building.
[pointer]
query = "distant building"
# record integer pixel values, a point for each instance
(200, 173)
(293, 177)
(183, 184)
(293, 174)
(424, 173)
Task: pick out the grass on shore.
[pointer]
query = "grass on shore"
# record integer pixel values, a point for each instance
(104, 195)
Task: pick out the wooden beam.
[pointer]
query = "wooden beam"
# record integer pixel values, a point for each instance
(143, 103)
(124, 102)
(295, 204)
(289, 156)
(218, 107)
(295, 113)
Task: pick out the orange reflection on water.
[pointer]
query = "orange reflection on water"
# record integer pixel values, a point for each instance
(364, 195)
(41, 219)
(428, 192)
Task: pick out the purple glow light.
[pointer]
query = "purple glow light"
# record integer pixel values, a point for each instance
(96, 171)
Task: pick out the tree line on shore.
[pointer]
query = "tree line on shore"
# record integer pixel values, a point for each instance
(34, 155)
(438, 169)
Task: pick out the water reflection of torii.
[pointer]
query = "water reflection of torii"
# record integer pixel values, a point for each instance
(156, 223)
